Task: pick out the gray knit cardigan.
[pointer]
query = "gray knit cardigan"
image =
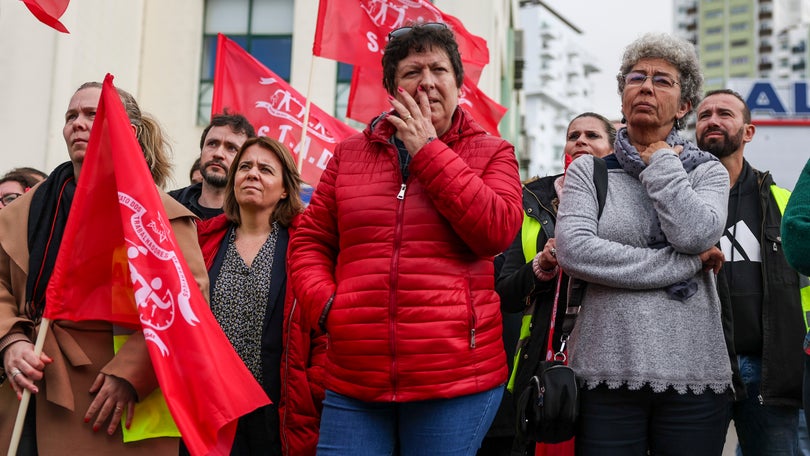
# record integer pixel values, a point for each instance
(628, 331)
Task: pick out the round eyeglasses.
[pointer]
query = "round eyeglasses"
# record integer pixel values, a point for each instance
(658, 80)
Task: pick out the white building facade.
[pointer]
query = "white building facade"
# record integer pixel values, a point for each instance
(556, 86)
(160, 52)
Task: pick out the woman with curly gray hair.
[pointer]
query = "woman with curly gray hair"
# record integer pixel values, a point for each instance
(648, 345)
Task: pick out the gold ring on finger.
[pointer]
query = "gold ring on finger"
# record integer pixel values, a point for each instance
(407, 118)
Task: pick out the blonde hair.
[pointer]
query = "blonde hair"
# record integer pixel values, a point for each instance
(154, 143)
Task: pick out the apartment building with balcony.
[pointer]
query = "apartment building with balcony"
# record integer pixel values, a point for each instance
(746, 38)
(556, 85)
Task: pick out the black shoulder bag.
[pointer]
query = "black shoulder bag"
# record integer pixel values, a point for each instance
(549, 406)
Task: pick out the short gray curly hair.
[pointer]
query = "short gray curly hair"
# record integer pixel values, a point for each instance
(678, 52)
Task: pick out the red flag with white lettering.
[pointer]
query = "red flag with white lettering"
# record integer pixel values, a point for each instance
(356, 31)
(48, 12)
(367, 99)
(242, 84)
(119, 261)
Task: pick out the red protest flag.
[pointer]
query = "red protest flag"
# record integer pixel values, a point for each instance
(48, 12)
(356, 31)
(242, 84)
(117, 220)
(367, 99)
(484, 110)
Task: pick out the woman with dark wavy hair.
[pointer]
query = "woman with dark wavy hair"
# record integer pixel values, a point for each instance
(394, 261)
(245, 251)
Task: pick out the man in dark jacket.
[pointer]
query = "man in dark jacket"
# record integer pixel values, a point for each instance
(219, 143)
(759, 290)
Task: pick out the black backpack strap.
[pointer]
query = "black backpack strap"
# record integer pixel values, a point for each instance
(600, 180)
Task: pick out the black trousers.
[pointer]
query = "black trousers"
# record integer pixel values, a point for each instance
(624, 422)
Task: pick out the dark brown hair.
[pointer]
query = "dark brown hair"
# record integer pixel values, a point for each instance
(288, 207)
(237, 122)
(746, 112)
(421, 38)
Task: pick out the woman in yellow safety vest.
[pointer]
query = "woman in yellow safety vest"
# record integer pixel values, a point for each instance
(528, 279)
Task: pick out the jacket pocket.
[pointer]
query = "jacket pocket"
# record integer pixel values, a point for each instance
(471, 318)
(777, 268)
(325, 313)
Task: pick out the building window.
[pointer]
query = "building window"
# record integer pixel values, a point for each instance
(739, 26)
(261, 27)
(711, 47)
(713, 14)
(714, 30)
(741, 60)
(714, 64)
(739, 43)
(739, 9)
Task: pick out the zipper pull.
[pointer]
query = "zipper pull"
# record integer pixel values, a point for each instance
(472, 338)
(401, 194)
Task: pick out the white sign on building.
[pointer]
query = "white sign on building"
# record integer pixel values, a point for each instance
(780, 109)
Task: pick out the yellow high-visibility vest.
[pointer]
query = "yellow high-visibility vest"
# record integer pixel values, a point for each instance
(152, 417)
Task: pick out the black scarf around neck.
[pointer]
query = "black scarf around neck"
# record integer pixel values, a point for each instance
(46, 223)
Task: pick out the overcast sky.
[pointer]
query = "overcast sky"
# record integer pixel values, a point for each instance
(607, 28)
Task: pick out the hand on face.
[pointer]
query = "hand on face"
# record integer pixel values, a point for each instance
(431, 73)
(414, 125)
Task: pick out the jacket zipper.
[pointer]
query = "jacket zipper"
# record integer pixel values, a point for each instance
(392, 311)
(471, 310)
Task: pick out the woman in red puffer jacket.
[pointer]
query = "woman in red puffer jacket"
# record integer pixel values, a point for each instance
(393, 260)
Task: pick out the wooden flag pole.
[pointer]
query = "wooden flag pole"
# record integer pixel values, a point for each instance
(26, 396)
(303, 143)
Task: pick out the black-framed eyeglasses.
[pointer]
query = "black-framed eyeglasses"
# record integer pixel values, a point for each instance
(8, 198)
(396, 33)
(661, 81)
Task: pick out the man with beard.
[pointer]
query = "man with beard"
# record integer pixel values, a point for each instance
(762, 304)
(219, 143)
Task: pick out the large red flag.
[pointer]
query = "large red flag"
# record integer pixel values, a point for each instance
(242, 84)
(356, 31)
(48, 12)
(119, 254)
(367, 99)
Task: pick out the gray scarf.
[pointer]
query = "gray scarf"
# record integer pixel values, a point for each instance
(631, 163)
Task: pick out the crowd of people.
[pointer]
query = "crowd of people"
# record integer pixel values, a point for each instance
(378, 318)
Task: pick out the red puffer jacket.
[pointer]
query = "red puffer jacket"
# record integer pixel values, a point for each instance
(302, 376)
(401, 276)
